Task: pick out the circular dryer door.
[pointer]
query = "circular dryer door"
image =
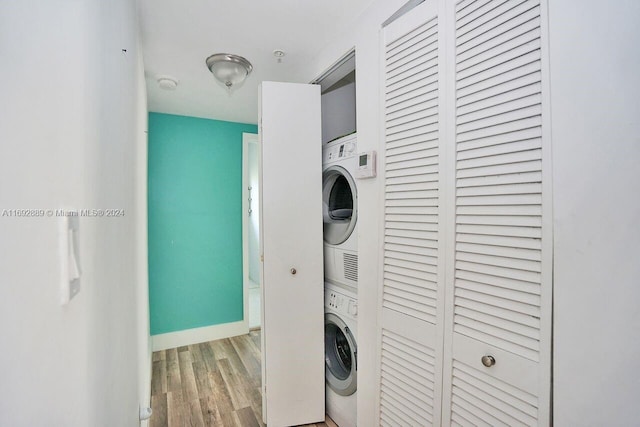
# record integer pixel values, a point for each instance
(340, 353)
(339, 204)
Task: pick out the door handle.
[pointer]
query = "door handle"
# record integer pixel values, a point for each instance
(293, 271)
(488, 361)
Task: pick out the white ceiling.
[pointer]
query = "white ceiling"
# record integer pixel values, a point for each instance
(177, 37)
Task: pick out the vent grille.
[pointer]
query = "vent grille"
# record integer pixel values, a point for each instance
(351, 266)
(498, 175)
(479, 399)
(411, 171)
(407, 382)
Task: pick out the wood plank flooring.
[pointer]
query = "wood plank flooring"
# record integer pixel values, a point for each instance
(216, 383)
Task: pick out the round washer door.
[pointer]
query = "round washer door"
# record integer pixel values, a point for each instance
(339, 204)
(340, 355)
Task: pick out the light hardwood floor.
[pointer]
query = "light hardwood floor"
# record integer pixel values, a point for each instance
(216, 383)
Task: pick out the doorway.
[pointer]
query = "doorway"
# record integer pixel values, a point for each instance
(251, 228)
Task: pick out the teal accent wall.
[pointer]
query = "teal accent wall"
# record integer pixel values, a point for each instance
(195, 222)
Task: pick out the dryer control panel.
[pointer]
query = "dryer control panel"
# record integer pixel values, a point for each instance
(339, 149)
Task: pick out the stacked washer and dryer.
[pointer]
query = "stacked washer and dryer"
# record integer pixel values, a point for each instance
(340, 214)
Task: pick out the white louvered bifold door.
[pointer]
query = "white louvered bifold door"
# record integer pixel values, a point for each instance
(412, 289)
(500, 274)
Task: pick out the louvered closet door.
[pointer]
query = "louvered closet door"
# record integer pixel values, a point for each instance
(412, 293)
(500, 301)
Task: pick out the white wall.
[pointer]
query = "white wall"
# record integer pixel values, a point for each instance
(72, 116)
(338, 112)
(595, 94)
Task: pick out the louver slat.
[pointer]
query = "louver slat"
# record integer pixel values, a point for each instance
(480, 101)
(466, 7)
(411, 167)
(407, 381)
(418, 101)
(511, 75)
(511, 29)
(505, 11)
(500, 403)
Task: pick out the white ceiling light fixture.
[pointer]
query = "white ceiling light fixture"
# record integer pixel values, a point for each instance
(229, 69)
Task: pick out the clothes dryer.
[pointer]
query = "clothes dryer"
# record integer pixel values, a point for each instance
(341, 354)
(340, 211)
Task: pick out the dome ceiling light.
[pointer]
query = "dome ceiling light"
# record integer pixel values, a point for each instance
(229, 69)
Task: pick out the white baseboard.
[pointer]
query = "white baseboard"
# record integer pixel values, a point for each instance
(198, 335)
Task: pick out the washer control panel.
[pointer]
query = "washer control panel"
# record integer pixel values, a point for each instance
(341, 303)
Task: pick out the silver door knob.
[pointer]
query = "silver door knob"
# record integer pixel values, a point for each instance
(488, 361)
(294, 271)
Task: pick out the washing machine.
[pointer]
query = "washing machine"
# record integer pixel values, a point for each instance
(340, 354)
(340, 211)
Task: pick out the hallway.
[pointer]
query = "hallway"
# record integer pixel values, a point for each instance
(215, 383)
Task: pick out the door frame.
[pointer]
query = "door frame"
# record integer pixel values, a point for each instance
(247, 139)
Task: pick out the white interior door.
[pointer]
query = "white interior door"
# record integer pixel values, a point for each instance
(291, 229)
(413, 252)
(499, 304)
